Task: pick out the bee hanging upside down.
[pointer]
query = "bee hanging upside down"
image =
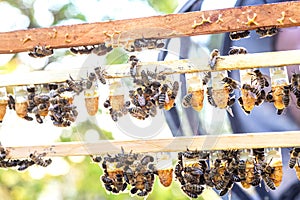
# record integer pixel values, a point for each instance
(41, 51)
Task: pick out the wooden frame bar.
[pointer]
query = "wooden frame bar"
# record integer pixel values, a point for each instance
(257, 60)
(282, 15)
(208, 142)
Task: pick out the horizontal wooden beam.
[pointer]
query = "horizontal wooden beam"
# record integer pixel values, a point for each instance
(209, 142)
(233, 62)
(282, 15)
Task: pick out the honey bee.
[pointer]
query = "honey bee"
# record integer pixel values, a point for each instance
(267, 32)
(276, 173)
(260, 78)
(82, 49)
(247, 100)
(256, 178)
(249, 174)
(233, 84)
(100, 75)
(294, 154)
(41, 51)
(133, 67)
(237, 50)
(145, 79)
(295, 82)
(11, 102)
(237, 35)
(101, 49)
(269, 182)
(74, 85)
(147, 159)
(96, 159)
(277, 98)
(187, 100)
(37, 159)
(91, 78)
(175, 89)
(192, 190)
(24, 164)
(214, 56)
(138, 113)
(163, 97)
(286, 95)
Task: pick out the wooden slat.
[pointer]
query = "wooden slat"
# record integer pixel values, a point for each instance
(217, 142)
(165, 26)
(257, 60)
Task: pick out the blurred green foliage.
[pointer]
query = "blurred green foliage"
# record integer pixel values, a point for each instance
(164, 6)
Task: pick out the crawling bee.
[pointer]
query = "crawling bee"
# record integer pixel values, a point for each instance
(295, 83)
(286, 95)
(267, 32)
(187, 100)
(294, 154)
(37, 159)
(101, 49)
(237, 35)
(214, 56)
(260, 78)
(233, 84)
(276, 96)
(91, 78)
(237, 50)
(100, 74)
(41, 51)
(74, 86)
(133, 67)
(82, 49)
(163, 97)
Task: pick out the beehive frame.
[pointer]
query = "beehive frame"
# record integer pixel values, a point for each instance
(281, 15)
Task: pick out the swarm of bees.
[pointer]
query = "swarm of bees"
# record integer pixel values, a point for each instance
(190, 170)
(152, 93)
(128, 169)
(226, 167)
(22, 164)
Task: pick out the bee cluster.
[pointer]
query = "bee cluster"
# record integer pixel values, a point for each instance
(152, 92)
(189, 171)
(194, 172)
(294, 160)
(128, 169)
(55, 103)
(34, 159)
